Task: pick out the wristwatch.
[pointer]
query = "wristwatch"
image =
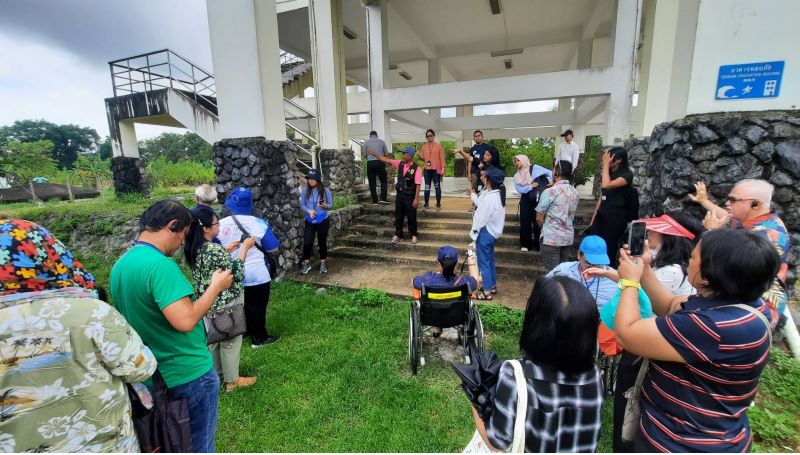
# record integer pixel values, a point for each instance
(622, 284)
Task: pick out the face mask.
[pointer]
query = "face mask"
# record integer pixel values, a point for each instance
(654, 251)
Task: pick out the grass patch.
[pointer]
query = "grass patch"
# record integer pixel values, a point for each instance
(344, 200)
(774, 419)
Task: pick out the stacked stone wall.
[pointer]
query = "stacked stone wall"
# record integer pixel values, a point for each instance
(340, 170)
(721, 149)
(129, 175)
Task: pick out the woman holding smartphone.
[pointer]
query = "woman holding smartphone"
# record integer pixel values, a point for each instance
(315, 200)
(432, 154)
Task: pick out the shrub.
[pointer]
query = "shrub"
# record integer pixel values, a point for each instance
(343, 200)
(369, 298)
(163, 173)
(497, 318)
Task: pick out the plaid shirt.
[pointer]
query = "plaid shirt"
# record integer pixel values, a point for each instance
(563, 409)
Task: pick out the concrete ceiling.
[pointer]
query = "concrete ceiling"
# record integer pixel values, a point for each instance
(462, 33)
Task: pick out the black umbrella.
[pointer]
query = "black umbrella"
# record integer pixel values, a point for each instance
(479, 380)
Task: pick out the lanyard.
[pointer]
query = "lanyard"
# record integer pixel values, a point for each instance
(588, 284)
(139, 242)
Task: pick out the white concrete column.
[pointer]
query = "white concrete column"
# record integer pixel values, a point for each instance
(585, 54)
(378, 61)
(435, 77)
(579, 135)
(128, 142)
(618, 106)
(248, 80)
(327, 57)
(665, 62)
(466, 135)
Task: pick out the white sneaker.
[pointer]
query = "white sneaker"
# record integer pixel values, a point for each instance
(523, 249)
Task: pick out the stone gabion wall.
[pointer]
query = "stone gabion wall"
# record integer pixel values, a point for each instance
(340, 170)
(721, 149)
(269, 169)
(129, 175)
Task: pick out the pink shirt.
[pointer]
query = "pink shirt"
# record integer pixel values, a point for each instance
(417, 176)
(433, 153)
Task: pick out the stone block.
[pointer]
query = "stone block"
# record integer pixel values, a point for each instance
(764, 151)
(788, 156)
(703, 135)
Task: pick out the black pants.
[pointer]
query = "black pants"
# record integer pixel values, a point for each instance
(256, 299)
(627, 371)
(376, 168)
(610, 224)
(321, 232)
(503, 194)
(431, 174)
(402, 208)
(529, 231)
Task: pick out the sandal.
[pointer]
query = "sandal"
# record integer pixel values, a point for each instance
(483, 296)
(493, 291)
(414, 240)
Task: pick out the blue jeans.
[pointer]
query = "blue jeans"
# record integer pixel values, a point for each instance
(431, 174)
(485, 249)
(203, 396)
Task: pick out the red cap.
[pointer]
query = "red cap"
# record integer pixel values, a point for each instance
(665, 224)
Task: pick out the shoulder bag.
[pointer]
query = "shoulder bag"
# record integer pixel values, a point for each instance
(478, 445)
(633, 412)
(161, 422)
(268, 261)
(225, 323)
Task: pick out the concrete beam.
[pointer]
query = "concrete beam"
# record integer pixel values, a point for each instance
(589, 108)
(509, 89)
(525, 120)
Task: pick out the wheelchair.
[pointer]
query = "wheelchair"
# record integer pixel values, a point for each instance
(443, 307)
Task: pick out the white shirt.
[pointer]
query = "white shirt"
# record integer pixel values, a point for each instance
(672, 277)
(490, 214)
(255, 270)
(568, 152)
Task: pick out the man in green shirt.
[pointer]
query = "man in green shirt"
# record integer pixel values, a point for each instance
(154, 296)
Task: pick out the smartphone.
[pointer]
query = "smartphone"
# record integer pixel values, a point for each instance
(637, 233)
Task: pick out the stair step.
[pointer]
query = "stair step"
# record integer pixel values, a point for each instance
(443, 236)
(388, 210)
(425, 262)
(510, 228)
(430, 248)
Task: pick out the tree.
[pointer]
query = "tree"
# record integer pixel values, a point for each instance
(105, 149)
(26, 160)
(94, 169)
(68, 140)
(176, 147)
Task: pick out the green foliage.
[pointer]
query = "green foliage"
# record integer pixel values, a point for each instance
(344, 200)
(536, 150)
(175, 148)
(27, 160)
(105, 149)
(68, 140)
(501, 319)
(585, 171)
(774, 418)
(93, 170)
(369, 298)
(346, 311)
(164, 173)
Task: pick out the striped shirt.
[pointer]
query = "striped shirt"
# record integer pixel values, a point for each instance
(701, 405)
(563, 412)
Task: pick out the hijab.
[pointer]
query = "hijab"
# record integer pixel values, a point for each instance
(32, 259)
(523, 175)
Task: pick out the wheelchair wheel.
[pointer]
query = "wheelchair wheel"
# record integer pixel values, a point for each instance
(475, 329)
(414, 338)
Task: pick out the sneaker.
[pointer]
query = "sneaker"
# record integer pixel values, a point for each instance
(523, 249)
(395, 240)
(383, 202)
(438, 208)
(305, 267)
(374, 204)
(256, 345)
(241, 383)
(323, 268)
(414, 240)
(271, 339)
(425, 207)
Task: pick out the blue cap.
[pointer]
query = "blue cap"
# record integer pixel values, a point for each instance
(314, 174)
(446, 251)
(409, 150)
(495, 175)
(240, 201)
(594, 248)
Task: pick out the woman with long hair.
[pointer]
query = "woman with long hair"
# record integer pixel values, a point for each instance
(204, 257)
(611, 216)
(315, 200)
(564, 386)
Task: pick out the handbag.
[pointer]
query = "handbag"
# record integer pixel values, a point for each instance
(269, 262)
(633, 409)
(225, 323)
(478, 445)
(161, 423)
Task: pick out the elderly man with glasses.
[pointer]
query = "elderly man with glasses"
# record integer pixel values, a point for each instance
(748, 206)
(592, 253)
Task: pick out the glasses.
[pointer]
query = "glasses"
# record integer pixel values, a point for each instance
(734, 199)
(429, 135)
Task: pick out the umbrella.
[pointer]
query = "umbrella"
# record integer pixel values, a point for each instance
(479, 380)
(539, 171)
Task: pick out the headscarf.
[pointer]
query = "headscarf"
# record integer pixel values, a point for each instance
(523, 175)
(32, 259)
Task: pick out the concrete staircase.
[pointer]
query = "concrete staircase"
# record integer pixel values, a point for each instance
(365, 258)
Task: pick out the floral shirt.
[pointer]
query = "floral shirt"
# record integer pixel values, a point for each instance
(212, 256)
(558, 204)
(64, 360)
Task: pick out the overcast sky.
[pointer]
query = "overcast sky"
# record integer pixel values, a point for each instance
(54, 54)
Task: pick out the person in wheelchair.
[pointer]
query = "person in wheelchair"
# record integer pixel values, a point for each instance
(444, 276)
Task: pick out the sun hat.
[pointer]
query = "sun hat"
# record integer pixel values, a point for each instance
(447, 251)
(495, 175)
(314, 174)
(594, 248)
(665, 224)
(240, 201)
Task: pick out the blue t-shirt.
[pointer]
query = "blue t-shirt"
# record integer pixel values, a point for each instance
(438, 280)
(312, 203)
(701, 405)
(602, 289)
